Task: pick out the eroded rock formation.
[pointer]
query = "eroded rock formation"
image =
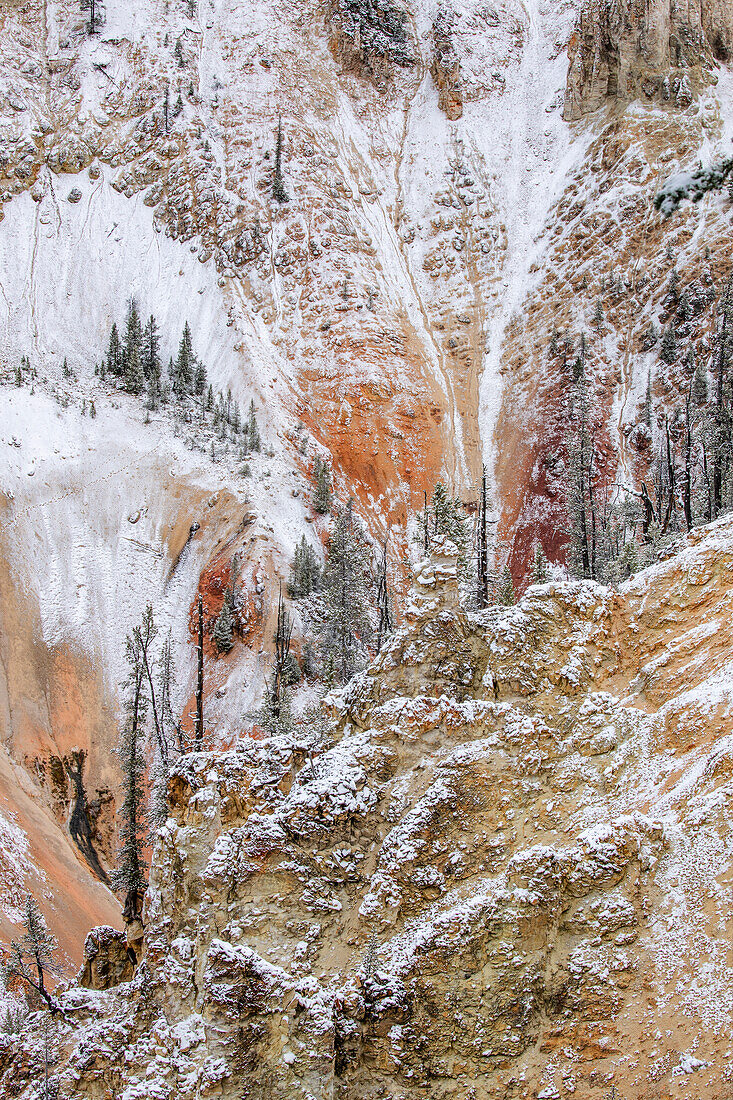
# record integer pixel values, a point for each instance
(492, 876)
(645, 49)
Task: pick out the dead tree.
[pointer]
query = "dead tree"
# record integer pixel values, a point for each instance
(199, 726)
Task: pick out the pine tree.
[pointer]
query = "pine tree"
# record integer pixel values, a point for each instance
(720, 434)
(598, 315)
(252, 431)
(33, 956)
(505, 588)
(647, 412)
(447, 518)
(184, 366)
(199, 381)
(134, 373)
(129, 875)
(482, 546)
(278, 186)
(281, 670)
(582, 474)
(115, 354)
(224, 626)
(347, 595)
(133, 335)
(540, 567)
(322, 491)
(700, 390)
(178, 53)
(305, 573)
(150, 356)
(668, 349)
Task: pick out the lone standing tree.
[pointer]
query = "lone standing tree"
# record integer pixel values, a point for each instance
(278, 186)
(130, 873)
(33, 956)
(199, 733)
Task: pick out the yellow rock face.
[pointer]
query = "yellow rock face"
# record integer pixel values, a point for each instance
(501, 869)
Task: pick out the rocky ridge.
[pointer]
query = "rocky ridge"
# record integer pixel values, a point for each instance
(500, 870)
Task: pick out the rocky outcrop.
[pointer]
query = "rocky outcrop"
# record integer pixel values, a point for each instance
(497, 870)
(107, 960)
(645, 49)
(446, 66)
(370, 38)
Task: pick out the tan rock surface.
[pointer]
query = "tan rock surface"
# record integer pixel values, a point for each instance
(459, 895)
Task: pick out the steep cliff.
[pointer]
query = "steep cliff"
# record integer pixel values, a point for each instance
(500, 871)
(629, 50)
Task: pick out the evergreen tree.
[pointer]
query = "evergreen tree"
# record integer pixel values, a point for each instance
(668, 349)
(185, 364)
(224, 626)
(582, 473)
(129, 875)
(647, 413)
(95, 15)
(505, 588)
(305, 573)
(700, 391)
(447, 518)
(133, 336)
(347, 595)
(482, 546)
(276, 717)
(277, 708)
(199, 381)
(252, 431)
(115, 354)
(178, 53)
(278, 186)
(598, 315)
(720, 433)
(150, 356)
(134, 373)
(540, 567)
(33, 956)
(322, 491)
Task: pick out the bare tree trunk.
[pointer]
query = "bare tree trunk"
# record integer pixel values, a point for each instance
(385, 617)
(426, 534)
(687, 488)
(483, 546)
(199, 731)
